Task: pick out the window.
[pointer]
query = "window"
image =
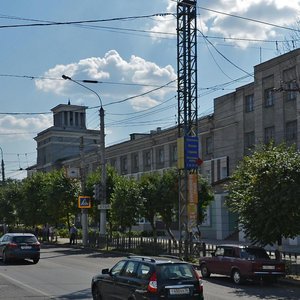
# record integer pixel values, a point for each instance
(269, 134)
(249, 139)
(173, 153)
(118, 267)
(290, 84)
(130, 269)
(147, 159)
(291, 131)
(269, 97)
(124, 164)
(160, 155)
(135, 161)
(208, 144)
(144, 271)
(249, 103)
(292, 89)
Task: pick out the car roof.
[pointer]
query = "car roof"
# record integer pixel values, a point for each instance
(240, 246)
(19, 234)
(158, 259)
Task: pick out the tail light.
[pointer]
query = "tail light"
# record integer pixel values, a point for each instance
(200, 285)
(37, 245)
(152, 285)
(12, 245)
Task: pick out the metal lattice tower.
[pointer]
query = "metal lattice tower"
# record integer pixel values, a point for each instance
(187, 68)
(187, 99)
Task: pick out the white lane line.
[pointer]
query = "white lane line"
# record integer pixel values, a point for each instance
(25, 285)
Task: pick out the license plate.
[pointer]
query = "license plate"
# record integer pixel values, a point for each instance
(268, 267)
(181, 291)
(25, 247)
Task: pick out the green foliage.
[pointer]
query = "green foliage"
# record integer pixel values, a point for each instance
(151, 198)
(205, 197)
(125, 203)
(39, 199)
(265, 192)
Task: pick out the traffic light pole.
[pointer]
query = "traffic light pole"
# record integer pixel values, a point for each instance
(103, 175)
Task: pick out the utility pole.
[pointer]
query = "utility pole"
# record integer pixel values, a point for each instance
(84, 213)
(2, 166)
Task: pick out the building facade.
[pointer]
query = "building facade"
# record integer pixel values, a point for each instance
(268, 108)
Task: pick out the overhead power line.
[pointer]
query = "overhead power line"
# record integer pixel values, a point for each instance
(248, 19)
(52, 23)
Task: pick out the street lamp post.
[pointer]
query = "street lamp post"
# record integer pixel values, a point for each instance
(102, 153)
(2, 166)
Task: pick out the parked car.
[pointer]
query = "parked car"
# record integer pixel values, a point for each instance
(241, 263)
(14, 246)
(139, 277)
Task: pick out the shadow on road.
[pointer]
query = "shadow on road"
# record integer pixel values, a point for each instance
(260, 290)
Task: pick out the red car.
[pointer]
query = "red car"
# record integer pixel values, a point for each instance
(241, 263)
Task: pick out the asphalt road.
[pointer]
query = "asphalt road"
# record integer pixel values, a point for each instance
(65, 273)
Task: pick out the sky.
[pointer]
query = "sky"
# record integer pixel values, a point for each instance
(130, 48)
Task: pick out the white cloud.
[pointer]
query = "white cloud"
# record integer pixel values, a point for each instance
(278, 12)
(141, 75)
(23, 127)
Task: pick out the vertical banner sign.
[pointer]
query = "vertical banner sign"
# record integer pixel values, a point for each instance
(192, 200)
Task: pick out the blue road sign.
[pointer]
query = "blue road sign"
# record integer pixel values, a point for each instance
(84, 202)
(191, 151)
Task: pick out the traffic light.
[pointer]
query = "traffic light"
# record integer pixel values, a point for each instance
(98, 191)
(95, 192)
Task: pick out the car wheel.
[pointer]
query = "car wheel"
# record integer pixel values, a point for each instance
(35, 260)
(236, 277)
(204, 271)
(96, 293)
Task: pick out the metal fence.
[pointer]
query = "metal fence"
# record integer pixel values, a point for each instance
(161, 246)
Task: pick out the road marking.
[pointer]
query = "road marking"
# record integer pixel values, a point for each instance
(26, 285)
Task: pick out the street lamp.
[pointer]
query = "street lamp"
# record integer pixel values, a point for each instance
(102, 152)
(2, 166)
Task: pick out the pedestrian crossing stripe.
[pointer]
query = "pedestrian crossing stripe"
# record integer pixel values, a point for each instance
(84, 202)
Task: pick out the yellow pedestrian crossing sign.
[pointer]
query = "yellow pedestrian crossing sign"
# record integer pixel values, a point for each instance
(84, 202)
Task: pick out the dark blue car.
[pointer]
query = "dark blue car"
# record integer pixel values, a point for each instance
(16, 246)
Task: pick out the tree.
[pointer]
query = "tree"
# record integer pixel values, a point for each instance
(205, 197)
(151, 198)
(125, 203)
(62, 194)
(265, 191)
(168, 201)
(9, 193)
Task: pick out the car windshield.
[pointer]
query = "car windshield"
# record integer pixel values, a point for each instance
(254, 253)
(176, 271)
(24, 239)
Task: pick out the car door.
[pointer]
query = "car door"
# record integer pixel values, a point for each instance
(109, 284)
(126, 281)
(226, 261)
(216, 261)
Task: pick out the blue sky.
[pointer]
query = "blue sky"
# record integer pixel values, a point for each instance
(129, 50)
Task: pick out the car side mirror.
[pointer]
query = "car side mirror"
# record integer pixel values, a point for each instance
(105, 271)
